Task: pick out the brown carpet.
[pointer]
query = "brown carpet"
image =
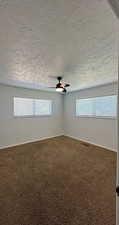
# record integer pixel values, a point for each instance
(59, 181)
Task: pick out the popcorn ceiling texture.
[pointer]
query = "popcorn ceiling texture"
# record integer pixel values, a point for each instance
(77, 39)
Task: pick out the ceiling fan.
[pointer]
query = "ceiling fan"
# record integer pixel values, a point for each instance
(61, 87)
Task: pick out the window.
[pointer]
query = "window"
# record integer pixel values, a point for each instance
(32, 107)
(23, 107)
(100, 106)
(106, 106)
(42, 107)
(84, 107)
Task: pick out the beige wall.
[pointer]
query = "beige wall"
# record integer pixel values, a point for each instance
(19, 130)
(94, 130)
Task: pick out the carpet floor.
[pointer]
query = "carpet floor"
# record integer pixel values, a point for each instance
(58, 181)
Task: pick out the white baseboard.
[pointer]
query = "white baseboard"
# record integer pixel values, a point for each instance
(89, 142)
(30, 141)
(44, 138)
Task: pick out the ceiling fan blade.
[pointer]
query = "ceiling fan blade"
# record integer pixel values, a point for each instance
(66, 85)
(64, 90)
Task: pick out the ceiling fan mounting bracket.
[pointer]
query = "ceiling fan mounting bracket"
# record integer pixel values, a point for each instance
(59, 78)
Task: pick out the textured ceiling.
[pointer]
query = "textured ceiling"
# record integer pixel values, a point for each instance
(76, 39)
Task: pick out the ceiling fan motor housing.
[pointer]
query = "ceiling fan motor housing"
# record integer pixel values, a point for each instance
(59, 85)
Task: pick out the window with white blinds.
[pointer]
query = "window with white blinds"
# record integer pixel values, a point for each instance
(105, 106)
(32, 107)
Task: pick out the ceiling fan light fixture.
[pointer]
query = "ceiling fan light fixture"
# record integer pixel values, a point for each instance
(59, 89)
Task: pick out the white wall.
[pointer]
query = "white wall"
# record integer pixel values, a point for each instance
(101, 132)
(19, 130)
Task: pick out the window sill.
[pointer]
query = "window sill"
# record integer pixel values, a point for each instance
(98, 117)
(37, 116)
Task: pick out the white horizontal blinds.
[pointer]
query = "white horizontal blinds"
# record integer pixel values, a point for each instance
(99, 106)
(23, 107)
(42, 107)
(106, 106)
(84, 107)
(32, 107)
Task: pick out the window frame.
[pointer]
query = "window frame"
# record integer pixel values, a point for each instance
(34, 115)
(95, 116)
